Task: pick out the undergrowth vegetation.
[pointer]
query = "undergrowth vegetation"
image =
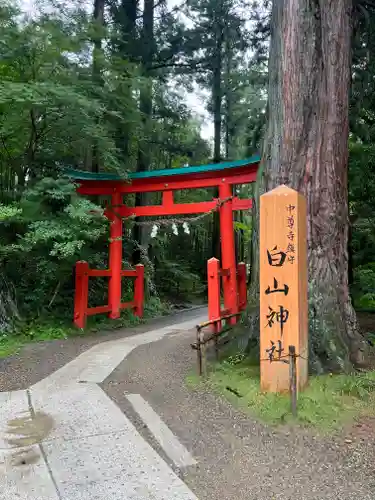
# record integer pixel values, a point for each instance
(46, 328)
(327, 404)
(111, 97)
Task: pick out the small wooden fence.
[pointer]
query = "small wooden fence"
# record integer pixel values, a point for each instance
(215, 275)
(203, 339)
(216, 315)
(81, 309)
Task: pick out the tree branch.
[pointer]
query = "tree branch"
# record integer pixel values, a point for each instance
(192, 67)
(6, 148)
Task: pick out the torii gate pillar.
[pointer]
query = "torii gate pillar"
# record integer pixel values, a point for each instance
(228, 255)
(115, 257)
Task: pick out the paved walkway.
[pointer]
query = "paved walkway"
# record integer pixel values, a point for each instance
(237, 457)
(117, 422)
(65, 439)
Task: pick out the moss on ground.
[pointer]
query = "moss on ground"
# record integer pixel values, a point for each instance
(43, 329)
(328, 403)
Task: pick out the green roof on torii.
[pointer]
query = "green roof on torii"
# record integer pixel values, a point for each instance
(168, 172)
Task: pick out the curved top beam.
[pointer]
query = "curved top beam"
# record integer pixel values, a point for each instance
(80, 175)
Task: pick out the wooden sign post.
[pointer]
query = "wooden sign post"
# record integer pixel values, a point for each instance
(283, 288)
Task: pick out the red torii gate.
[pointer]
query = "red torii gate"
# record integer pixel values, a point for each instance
(221, 175)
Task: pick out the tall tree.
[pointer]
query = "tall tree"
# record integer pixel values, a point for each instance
(306, 148)
(218, 31)
(362, 100)
(145, 106)
(98, 20)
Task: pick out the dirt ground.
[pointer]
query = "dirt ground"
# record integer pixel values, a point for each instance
(366, 322)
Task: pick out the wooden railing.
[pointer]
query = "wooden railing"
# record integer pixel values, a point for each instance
(214, 277)
(81, 308)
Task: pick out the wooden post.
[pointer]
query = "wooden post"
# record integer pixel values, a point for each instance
(213, 277)
(203, 353)
(228, 254)
(115, 258)
(242, 285)
(199, 352)
(293, 379)
(81, 294)
(283, 288)
(139, 290)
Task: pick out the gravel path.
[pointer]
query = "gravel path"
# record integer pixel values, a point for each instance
(38, 360)
(238, 458)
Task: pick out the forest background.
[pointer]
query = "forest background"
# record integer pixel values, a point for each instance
(103, 88)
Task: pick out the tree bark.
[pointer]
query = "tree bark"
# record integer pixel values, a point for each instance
(229, 132)
(306, 148)
(127, 17)
(127, 46)
(217, 98)
(98, 17)
(145, 106)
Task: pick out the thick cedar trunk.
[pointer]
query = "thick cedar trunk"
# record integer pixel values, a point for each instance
(217, 105)
(145, 105)
(8, 306)
(229, 135)
(96, 70)
(128, 22)
(228, 99)
(217, 101)
(306, 148)
(128, 48)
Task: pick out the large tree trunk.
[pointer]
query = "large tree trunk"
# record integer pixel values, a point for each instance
(217, 98)
(145, 105)
(125, 16)
(98, 17)
(9, 314)
(306, 148)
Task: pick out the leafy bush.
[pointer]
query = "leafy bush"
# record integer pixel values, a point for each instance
(363, 288)
(50, 230)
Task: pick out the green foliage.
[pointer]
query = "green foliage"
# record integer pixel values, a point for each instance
(50, 107)
(328, 403)
(59, 222)
(362, 104)
(60, 107)
(245, 229)
(43, 329)
(54, 228)
(362, 215)
(8, 212)
(172, 255)
(363, 287)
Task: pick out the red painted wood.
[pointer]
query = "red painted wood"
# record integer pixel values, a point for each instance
(81, 293)
(115, 260)
(98, 310)
(213, 277)
(139, 290)
(240, 204)
(157, 210)
(242, 286)
(225, 312)
(168, 199)
(178, 208)
(81, 309)
(242, 175)
(223, 179)
(228, 256)
(127, 305)
(129, 273)
(224, 272)
(99, 272)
